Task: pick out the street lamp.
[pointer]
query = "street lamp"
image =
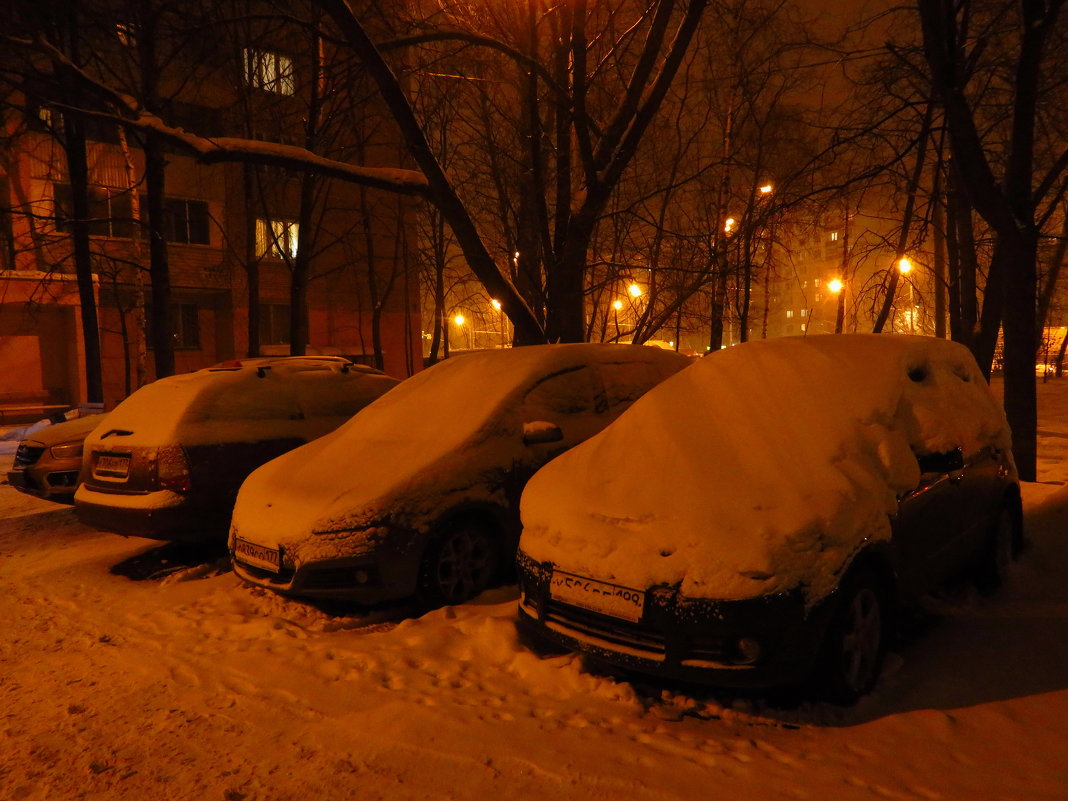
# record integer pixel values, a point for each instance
(635, 291)
(836, 286)
(496, 304)
(904, 266)
(728, 226)
(616, 306)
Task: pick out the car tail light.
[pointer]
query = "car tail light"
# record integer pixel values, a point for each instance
(172, 469)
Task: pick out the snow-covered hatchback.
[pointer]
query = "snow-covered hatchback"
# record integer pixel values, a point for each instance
(418, 495)
(170, 458)
(759, 519)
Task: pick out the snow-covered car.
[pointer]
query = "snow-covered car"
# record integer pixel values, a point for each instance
(759, 519)
(49, 459)
(170, 458)
(418, 494)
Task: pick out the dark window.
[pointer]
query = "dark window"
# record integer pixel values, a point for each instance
(186, 326)
(186, 320)
(185, 221)
(274, 324)
(109, 211)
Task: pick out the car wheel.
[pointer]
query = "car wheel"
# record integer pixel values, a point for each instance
(1000, 551)
(856, 640)
(459, 564)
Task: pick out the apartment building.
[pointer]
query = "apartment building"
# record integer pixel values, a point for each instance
(226, 226)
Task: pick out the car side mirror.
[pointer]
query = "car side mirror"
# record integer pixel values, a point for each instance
(537, 432)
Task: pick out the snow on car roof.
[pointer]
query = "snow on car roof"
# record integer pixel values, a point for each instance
(762, 468)
(235, 400)
(404, 442)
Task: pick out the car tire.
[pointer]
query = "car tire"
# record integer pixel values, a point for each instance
(459, 564)
(1000, 551)
(855, 642)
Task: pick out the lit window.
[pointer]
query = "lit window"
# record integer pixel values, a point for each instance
(804, 327)
(804, 312)
(276, 239)
(126, 33)
(834, 236)
(789, 314)
(270, 71)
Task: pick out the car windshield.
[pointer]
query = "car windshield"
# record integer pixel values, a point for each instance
(454, 399)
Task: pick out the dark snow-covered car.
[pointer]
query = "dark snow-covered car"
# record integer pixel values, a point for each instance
(759, 519)
(48, 460)
(169, 460)
(418, 494)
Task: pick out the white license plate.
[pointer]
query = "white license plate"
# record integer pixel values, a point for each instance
(597, 596)
(108, 466)
(258, 555)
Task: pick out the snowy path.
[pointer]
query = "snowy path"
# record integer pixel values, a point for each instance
(206, 689)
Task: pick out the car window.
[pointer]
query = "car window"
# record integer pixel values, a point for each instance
(262, 399)
(572, 392)
(625, 382)
(327, 393)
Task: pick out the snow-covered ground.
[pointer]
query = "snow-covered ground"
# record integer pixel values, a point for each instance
(196, 687)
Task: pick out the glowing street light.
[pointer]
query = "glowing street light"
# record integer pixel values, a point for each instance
(496, 304)
(904, 266)
(635, 291)
(766, 189)
(836, 286)
(459, 319)
(617, 304)
(728, 226)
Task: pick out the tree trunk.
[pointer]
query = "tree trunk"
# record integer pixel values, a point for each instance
(162, 324)
(78, 169)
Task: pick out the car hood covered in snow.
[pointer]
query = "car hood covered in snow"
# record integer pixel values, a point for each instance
(762, 468)
(442, 436)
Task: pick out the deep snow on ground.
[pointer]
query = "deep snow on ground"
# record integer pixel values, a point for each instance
(196, 687)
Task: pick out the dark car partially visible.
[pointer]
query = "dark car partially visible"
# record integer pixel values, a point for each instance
(170, 459)
(791, 496)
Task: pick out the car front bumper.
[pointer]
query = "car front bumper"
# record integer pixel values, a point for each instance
(51, 485)
(386, 571)
(681, 639)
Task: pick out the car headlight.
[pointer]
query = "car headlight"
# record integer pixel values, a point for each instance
(69, 450)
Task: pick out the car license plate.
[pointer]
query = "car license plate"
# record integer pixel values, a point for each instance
(258, 555)
(597, 596)
(111, 467)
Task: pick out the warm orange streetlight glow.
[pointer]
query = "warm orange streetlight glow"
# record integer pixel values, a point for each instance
(766, 189)
(904, 266)
(617, 304)
(835, 285)
(459, 319)
(635, 291)
(495, 304)
(728, 225)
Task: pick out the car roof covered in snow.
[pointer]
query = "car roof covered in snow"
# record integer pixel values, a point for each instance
(245, 400)
(762, 468)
